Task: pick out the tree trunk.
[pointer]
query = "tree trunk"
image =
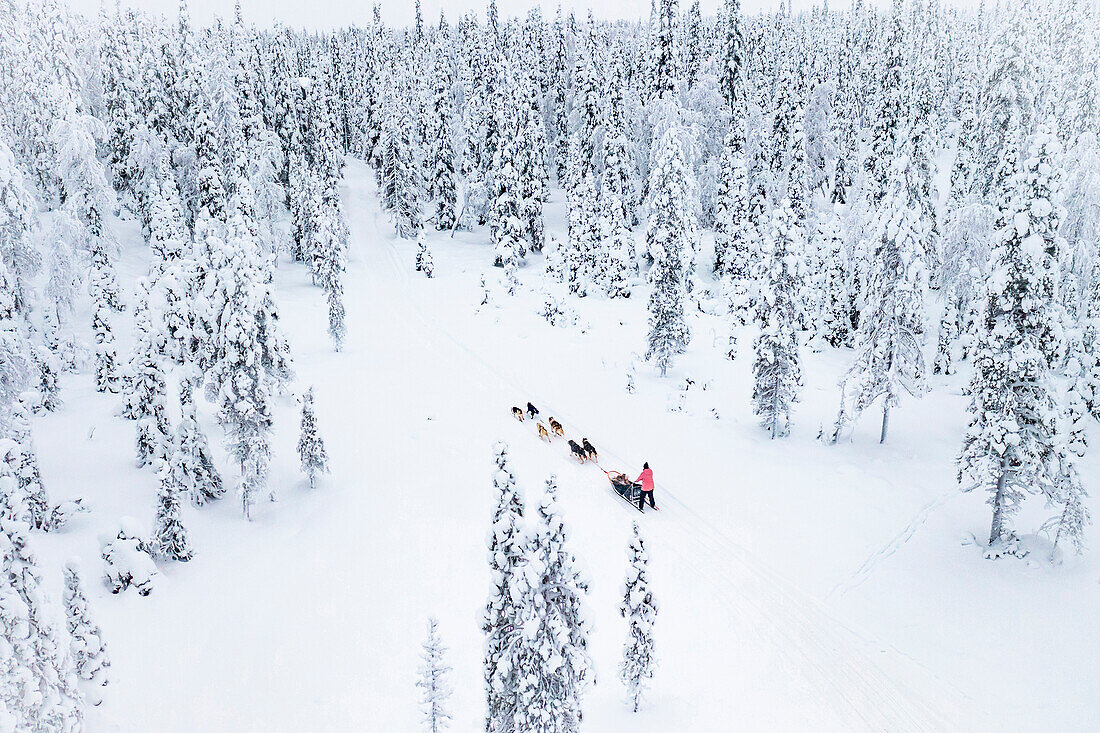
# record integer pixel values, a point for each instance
(885, 422)
(997, 527)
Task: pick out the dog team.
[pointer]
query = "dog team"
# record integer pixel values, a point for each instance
(585, 451)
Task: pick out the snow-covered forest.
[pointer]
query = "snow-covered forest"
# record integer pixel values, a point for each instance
(270, 300)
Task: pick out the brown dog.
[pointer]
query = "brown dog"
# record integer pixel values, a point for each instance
(556, 428)
(543, 433)
(578, 452)
(590, 451)
(517, 413)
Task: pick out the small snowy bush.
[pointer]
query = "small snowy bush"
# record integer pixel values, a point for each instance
(127, 561)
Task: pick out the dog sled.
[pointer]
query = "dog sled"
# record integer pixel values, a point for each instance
(628, 491)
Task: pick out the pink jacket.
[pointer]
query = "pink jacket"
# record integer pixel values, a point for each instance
(647, 479)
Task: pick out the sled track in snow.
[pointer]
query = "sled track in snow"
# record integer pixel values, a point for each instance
(819, 649)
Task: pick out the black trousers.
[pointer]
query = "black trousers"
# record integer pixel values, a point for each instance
(642, 496)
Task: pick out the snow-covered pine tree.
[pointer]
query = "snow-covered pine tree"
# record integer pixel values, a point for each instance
(639, 608)
(170, 540)
(41, 692)
(32, 505)
(506, 545)
(400, 175)
(616, 196)
(46, 369)
(947, 336)
(441, 163)
(1009, 446)
(311, 448)
(19, 259)
(530, 160)
(732, 60)
(834, 323)
(1090, 341)
(545, 664)
(328, 247)
(562, 587)
(423, 257)
(1070, 524)
(146, 391)
(581, 248)
(777, 369)
(106, 354)
(507, 229)
(665, 67)
(889, 356)
(435, 688)
(246, 358)
(670, 241)
(88, 198)
(190, 463)
(86, 643)
(734, 234)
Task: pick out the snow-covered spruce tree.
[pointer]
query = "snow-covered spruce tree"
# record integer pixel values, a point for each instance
(39, 689)
(554, 655)
(581, 248)
(435, 688)
(639, 608)
(1070, 524)
(86, 643)
(1090, 340)
(32, 505)
(88, 198)
(834, 323)
(19, 259)
(190, 463)
(311, 448)
(1008, 102)
(1072, 428)
(664, 65)
(441, 163)
(616, 197)
(777, 370)
(147, 394)
(545, 664)
(1009, 446)
(46, 369)
(507, 229)
(106, 354)
(947, 335)
(734, 234)
(506, 545)
(246, 356)
(423, 257)
(328, 247)
(670, 241)
(732, 59)
(170, 540)
(530, 161)
(888, 106)
(400, 174)
(889, 355)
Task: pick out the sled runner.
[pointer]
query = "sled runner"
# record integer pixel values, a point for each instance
(627, 490)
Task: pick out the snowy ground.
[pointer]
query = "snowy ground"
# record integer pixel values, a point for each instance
(802, 587)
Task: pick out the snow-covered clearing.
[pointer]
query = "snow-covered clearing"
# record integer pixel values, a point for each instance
(801, 586)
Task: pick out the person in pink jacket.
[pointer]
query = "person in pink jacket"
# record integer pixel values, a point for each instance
(646, 480)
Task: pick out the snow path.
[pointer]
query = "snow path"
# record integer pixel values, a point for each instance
(829, 658)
